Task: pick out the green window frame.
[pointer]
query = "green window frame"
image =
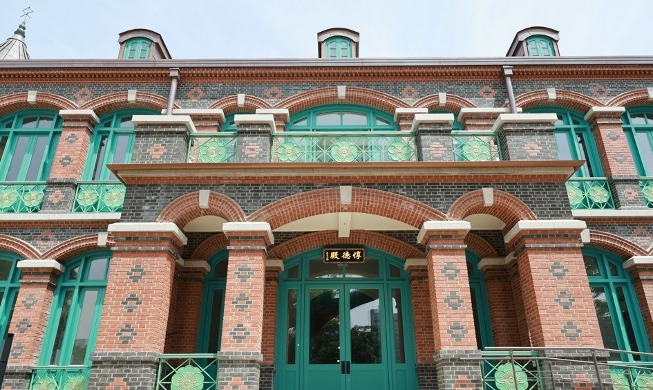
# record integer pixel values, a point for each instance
(540, 46)
(480, 302)
(74, 319)
(9, 277)
(618, 312)
(137, 49)
(338, 47)
(210, 331)
(575, 140)
(638, 126)
(28, 142)
(345, 117)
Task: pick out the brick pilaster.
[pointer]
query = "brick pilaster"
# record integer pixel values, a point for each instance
(69, 160)
(241, 347)
(501, 299)
(205, 120)
(254, 137)
(479, 118)
(161, 139)
(433, 137)
(557, 301)
(273, 268)
(641, 271)
(526, 136)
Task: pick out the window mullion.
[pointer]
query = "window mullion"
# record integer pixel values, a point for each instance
(70, 328)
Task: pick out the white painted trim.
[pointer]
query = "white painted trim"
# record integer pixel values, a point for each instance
(131, 96)
(524, 118)
(240, 100)
(276, 263)
(89, 113)
(342, 91)
(282, 112)
(249, 227)
(557, 224)
(197, 112)
(491, 261)
(585, 236)
(31, 97)
(165, 120)
(196, 264)
(414, 262)
(44, 263)
(445, 119)
(648, 213)
(344, 225)
(409, 111)
(638, 260)
(102, 238)
(488, 196)
(204, 199)
(60, 217)
(649, 90)
(255, 119)
(442, 99)
(603, 110)
(551, 94)
(472, 111)
(345, 195)
(442, 225)
(148, 227)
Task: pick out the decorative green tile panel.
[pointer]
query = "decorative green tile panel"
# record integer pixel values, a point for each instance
(590, 193)
(647, 191)
(21, 197)
(99, 197)
(212, 148)
(343, 147)
(60, 377)
(187, 372)
(475, 147)
(511, 370)
(631, 375)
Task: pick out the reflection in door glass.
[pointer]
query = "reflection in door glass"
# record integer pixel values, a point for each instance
(605, 320)
(291, 330)
(216, 316)
(398, 326)
(324, 343)
(365, 326)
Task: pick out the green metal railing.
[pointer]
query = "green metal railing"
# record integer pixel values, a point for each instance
(24, 197)
(212, 148)
(343, 147)
(99, 197)
(589, 193)
(631, 375)
(646, 185)
(475, 146)
(502, 370)
(187, 371)
(60, 377)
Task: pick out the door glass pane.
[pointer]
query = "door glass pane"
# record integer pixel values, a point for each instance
(293, 272)
(221, 270)
(368, 269)
(614, 271)
(324, 342)
(29, 122)
(61, 327)
(5, 268)
(100, 159)
(38, 155)
(17, 158)
(477, 325)
(591, 266)
(84, 328)
(605, 320)
(628, 324)
(398, 326)
(320, 269)
(365, 326)
(395, 272)
(291, 330)
(214, 326)
(98, 270)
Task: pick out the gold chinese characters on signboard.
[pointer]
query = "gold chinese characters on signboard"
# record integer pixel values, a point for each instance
(344, 255)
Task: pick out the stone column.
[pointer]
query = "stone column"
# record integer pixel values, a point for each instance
(616, 157)
(254, 137)
(69, 160)
(450, 298)
(557, 300)
(240, 354)
(501, 299)
(273, 268)
(427, 375)
(135, 316)
(161, 139)
(526, 136)
(30, 318)
(433, 137)
(641, 271)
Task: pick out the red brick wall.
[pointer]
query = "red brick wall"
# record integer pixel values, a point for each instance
(643, 283)
(612, 145)
(419, 285)
(186, 310)
(502, 307)
(72, 149)
(270, 314)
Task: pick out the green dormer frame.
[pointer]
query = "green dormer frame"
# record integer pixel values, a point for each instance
(339, 47)
(137, 49)
(540, 46)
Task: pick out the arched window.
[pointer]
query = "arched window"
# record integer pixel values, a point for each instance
(342, 118)
(213, 304)
(9, 276)
(615, 302)
(638, 125)
(540, 46)
(137, 49)
(338, 47)
(75, 314)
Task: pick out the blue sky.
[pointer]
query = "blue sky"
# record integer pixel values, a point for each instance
(287, 29)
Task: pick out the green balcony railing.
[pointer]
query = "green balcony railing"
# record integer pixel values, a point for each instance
(646, 184)
(187, 371)
(343, 147)
(21, 197)
(60, 377)
(99, 197)
(503, 370)
(589, 193)
(631, 375)
(212, 148)
(468, 146)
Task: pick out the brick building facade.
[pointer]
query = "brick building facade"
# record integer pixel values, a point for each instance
(163, 223)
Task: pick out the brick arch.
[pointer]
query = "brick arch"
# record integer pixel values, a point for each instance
(454, 103)
(506, 207)
(18, 101)
(375, 240)
(19, 247)
(615, 244)
(567, 99)
(480, 246)
(364, 200)
(635, 97)
(329, 95)
(210, 246)
(118, 100)
(187, 207)
(229, 104)
(75, 246)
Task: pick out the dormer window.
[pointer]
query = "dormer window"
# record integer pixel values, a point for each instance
(540, 46)
(536, 41)
(137, 49)
(337, 43)
(142, 44)
(338, 47)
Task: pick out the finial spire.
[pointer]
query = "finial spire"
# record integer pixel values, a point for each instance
(15, 48)
(26, 14)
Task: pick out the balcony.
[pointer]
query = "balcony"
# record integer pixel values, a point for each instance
(212, 148)
(589, 194)
(24, 197)
(60, 377)
(99, 197)
(187, 371)
(475, 146)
